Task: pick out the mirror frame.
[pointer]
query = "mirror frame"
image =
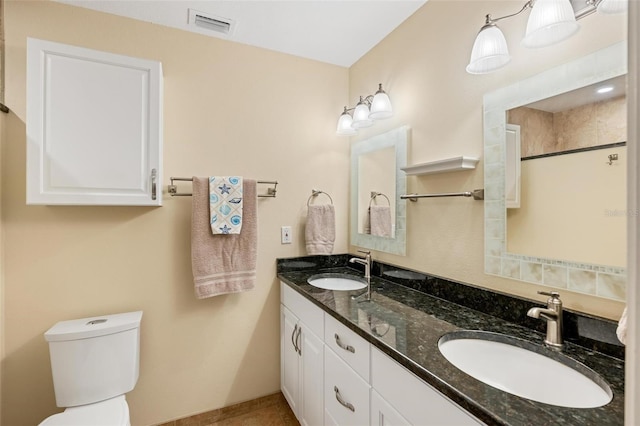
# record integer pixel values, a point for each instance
(397, 138)
(598, 66)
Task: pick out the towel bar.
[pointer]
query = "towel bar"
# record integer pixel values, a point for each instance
(477, 194)
(173, 189)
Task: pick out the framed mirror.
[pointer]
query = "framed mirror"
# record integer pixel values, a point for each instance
(377, 215)
(521, 242)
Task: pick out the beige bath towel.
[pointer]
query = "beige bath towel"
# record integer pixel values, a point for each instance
(320, 231)
(380, 221)
(621, 331)
(221, 263)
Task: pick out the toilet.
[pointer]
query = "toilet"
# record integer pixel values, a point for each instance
(95, 362)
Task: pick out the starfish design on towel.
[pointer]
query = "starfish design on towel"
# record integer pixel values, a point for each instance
(225, 229)
(224, 189)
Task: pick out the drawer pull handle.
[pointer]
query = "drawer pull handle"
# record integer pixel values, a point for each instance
(342, 401)
(293, 337)
(298, 341)
(153, 183)
(348, 348)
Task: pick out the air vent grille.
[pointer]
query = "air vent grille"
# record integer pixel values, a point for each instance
(206, 21)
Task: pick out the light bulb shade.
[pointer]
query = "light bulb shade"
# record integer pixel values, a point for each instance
(380, 106)
(361, 116)
(550, 22)
(490, 51)
(344, 125)
(613, 6)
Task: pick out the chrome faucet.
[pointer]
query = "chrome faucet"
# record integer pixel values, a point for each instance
(553, 315)
(366, 261)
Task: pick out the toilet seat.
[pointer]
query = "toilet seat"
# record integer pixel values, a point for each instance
(111, 412)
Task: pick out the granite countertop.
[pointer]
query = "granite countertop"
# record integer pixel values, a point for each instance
(406, 325)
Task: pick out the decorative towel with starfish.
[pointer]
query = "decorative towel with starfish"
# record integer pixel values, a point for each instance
(225, 204)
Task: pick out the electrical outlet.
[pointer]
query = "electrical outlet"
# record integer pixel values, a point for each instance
(285, 235)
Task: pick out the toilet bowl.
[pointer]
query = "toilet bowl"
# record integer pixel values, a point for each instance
(94, 362)
(112, 412)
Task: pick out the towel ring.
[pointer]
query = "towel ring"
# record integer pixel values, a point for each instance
(315, 193)
(375, 194)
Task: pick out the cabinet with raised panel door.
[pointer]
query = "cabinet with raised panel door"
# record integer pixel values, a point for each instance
(302, 357)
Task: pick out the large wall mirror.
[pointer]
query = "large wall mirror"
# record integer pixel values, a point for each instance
(377, 215)
(567, 227)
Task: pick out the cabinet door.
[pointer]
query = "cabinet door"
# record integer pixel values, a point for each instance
(312, 378)
(94, 127)
(383, 414)
(289, 359)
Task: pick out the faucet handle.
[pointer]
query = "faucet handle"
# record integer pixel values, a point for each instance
(364, 251)
(553, 294)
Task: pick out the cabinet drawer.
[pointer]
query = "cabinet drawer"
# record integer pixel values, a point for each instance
(418, 402)
(353, 349)
(305, 310)
(346, 395)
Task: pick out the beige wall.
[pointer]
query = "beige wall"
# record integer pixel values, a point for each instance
(558, 219)
(229, 109)
(422, 67)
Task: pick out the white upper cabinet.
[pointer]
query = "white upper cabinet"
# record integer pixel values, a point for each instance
(94, 127)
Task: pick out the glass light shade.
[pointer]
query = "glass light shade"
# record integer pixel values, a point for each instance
(344, 125)
(613, 6)
(361, 116)
(550, 22)
(380, 105)
(490, 51)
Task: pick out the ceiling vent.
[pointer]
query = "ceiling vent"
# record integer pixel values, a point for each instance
(205, 21)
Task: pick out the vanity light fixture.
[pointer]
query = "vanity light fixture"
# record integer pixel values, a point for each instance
(550, 22)
(368, 109)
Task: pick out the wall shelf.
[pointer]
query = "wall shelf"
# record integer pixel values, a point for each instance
(455, 164)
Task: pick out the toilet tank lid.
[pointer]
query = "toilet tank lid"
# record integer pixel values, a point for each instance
(85, 328)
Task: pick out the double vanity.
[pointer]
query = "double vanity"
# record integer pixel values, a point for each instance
(406, 355)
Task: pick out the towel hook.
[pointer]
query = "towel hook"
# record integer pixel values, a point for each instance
(374, 194)
(315, 193)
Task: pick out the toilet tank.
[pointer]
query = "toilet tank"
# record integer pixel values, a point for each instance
(93, 359)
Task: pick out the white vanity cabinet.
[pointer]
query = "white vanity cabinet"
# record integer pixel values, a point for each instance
(302, 356)
(94, 127)
(344, 380)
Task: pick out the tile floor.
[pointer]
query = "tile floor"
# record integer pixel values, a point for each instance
(271, 410)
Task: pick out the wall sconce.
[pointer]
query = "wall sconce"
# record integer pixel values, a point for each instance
(368, 109)
(550, 22)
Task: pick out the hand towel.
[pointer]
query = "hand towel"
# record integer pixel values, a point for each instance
(380, 221)
(223, 264)
(225, 204)
(621, 331)
(320, 231)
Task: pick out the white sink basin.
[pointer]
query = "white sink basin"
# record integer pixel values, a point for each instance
(337, 282)
(495, 359)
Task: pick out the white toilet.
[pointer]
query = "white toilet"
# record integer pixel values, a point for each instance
(94, 362)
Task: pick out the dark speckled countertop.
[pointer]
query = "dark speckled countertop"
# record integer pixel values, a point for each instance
(406, 324)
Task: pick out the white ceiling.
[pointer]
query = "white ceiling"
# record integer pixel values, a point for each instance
(334, 31)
